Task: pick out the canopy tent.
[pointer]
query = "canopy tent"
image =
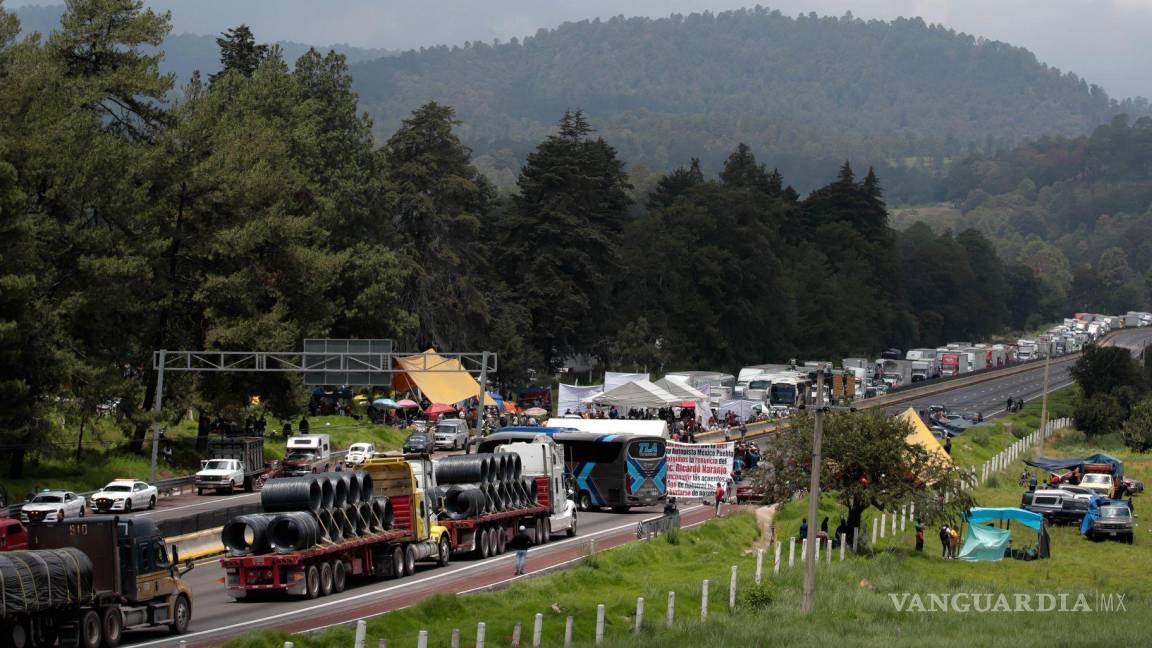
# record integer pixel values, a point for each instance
(638, 393)
(680, 390)
(922, 436)
(613, 379)
(1052, 465)
(572, 395)
(989, 543)
(744, 409)
(440, 379)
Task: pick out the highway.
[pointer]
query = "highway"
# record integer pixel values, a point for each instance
(217, 617)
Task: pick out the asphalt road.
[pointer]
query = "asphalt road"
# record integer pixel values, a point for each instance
(216, 617)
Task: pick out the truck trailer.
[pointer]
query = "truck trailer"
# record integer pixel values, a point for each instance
(87, 580)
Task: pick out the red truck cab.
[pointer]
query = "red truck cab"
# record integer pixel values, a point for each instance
(13, 535)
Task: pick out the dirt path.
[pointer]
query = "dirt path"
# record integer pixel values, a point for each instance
(764, 518)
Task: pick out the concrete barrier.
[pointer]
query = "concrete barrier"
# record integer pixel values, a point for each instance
(194, 546)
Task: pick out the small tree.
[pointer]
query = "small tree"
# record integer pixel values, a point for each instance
(867, 462)
(1138, 427)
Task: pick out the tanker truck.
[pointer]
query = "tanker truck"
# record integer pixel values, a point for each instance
(84, 581)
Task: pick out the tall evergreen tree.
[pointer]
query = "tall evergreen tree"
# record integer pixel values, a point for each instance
(675, 184)
(239, 51)
(742, 170)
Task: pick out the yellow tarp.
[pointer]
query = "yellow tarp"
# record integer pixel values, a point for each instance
(922, 436)
(441, 380)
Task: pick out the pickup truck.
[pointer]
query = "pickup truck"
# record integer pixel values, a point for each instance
(13, 535)
(1100, 483)
(308, 453)
(232, 462)
(1115, 521)
(1057, 506)
(451, 434)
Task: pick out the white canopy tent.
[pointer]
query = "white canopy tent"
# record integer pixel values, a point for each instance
(614, 379)
(638, 393)
(681, 390)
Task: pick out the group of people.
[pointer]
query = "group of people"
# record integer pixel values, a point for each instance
(949, 541)
(1014, 404)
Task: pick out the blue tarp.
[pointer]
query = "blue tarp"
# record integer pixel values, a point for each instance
(1027, 518)
(1052, 465)
(984, 543)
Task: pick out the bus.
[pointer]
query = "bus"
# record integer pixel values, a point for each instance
(789, 392)
(616, 471)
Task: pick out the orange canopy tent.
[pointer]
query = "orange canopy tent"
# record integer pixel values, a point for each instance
(439, 379)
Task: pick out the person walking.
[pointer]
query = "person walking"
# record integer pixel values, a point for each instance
(804, 528)
(919, 536)
(945, 540)
(719, 497)
(953, 541)
(521, 543)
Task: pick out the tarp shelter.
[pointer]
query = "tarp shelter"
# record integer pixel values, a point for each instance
(571, 397)
(687, 393)
(989, 543)
(613, 379)
(922, 436)
(439, 379)
(638, 393)
(1052, 465)
(741, 408)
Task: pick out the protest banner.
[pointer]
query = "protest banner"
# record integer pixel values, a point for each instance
(694, 468)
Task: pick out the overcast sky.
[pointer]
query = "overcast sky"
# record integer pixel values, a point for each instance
(1108, 42)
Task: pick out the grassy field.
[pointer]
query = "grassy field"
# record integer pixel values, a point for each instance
(99, 465)
(853, 601)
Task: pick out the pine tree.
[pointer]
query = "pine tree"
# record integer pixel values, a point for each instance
(240, 52)
(742, 170)
(676, 184)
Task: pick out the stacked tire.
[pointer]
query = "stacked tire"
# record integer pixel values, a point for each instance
(483, 483)
(303, 512)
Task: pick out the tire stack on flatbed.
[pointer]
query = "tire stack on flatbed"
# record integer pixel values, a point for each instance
(308, 511)
(483, 483)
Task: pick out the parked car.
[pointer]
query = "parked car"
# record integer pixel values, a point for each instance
(124, 495)
(419, 443)
(1099, 483)
(13, 535)
(1133, 485)
(1056, 505)
(451, 434)
(51, 506)
(1114, 522)
(358, 453)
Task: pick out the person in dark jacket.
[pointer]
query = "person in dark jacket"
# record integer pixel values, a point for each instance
(945, 540)
(521, 543)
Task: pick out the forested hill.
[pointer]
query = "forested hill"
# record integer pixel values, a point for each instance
(802, 91)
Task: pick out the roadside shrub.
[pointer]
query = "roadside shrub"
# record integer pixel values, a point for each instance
(760, 596)
(672, 536)
(1100, 414)
(1138, 427)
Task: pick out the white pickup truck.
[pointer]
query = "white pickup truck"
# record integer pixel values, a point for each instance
(221, 475)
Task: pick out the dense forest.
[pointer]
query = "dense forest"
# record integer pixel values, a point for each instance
(257, 210)
(1077, 210)
(808, 92)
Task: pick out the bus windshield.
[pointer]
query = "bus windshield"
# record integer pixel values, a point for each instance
(782, 394)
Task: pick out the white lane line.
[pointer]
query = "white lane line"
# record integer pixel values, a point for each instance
(474, 589)
(373, 593)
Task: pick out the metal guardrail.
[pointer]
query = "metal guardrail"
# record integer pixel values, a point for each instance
(653, 527)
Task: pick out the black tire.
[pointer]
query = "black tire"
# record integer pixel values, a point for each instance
(112, 621)
(482, 545)
(91, 631)
(312, 582)
(325, 579)
(81, 511)
(585, 501)
(501, 540)
(231, 487)
(15, 634)
(410, 560)
(445, 552)
(397, 562)
(339, 576)
(258, 483)
(181, 615)
(621, 509)
(200, 491)
(151, 502)
(572, 527)
(128, 505)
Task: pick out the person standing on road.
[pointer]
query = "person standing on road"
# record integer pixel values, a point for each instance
(521, 543)
(719, 497)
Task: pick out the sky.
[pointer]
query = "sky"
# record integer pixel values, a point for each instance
(1108, 42)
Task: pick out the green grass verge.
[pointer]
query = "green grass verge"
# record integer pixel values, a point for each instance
(99, 466)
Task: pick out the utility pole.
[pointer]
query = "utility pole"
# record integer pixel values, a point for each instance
(1044, 400)
(483, 393)
(814, 493)
(157, 406)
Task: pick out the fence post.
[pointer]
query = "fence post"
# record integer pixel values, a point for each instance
(568, 632)
(639, 615)
(843, 541)
(704, 602)
(804, 550)
(480, 635)
(732, 591)
(776, 561)
(759, 564)
(361, 632)
(912, 511)
(903, 517)
(456, 638)
(516, 636)
(791, 551)
(670, 615)
(383, 643)
(289, 644)
(856, 540)
(817, 551)
(537, 629)
(828, 554)
(875, 522)
(600, 624)
(422, 639)
(893, 524)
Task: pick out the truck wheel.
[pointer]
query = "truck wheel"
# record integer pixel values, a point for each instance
(312, 582)
(445, 552)
(151, 503)
(339, 576)
(585, 501)
(572, 527)
(200, 491)
(248, 485)
(325, 579)
(231, 487)
(397, 562)
(410, 560)
(113, 622)
(181, 615)
(89, 629)
(501, 539)
(483, 543)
